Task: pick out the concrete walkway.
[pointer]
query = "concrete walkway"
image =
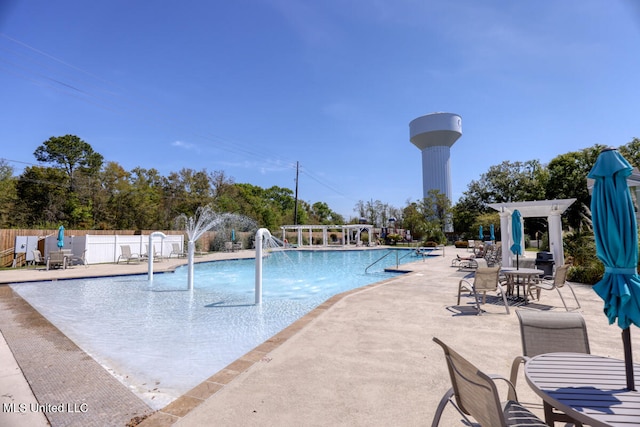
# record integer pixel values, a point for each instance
(364, 358)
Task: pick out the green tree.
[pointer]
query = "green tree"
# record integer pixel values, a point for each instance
(71, 154)
(42, 196)
(8, 195)
(503, 183)
(426, 219)
(322, 214)
(568, 179)
(631, 152)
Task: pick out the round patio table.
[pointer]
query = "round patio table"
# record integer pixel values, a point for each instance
(525, 277)
(591, 389)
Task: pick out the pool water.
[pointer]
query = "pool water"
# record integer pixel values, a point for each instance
(161, 340)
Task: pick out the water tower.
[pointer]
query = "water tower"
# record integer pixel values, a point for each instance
(434, 134)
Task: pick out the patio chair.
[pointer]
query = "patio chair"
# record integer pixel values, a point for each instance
(78, 260)
(486, 279)
(476, 395)
(127, 255)
(56, 259)
(38, 258)
(556, 282)
(156, 256)
(177, 251)
(550, 332)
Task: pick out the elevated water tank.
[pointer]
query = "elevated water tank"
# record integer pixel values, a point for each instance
(434, 134)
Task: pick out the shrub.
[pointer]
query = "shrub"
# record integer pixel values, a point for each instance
(461, 244)
(392, 239)
(430, 244)
(588, 274)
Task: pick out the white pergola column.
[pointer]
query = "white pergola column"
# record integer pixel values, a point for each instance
(505, 231)
(310, 236)
(555, 237)
(324, 236)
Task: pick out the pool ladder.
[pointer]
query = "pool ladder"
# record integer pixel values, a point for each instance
(386, 255)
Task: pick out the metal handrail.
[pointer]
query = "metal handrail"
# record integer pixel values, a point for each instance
(402, 257)
(380, 259)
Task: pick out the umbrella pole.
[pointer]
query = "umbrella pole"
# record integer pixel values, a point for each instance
(628, 359)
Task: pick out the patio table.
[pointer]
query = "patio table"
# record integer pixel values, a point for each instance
(590, 389)
(521, 277)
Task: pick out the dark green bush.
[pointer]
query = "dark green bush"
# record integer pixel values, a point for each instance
(588, 274)
(461, 244)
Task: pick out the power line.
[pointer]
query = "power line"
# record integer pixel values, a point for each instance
(108, 95)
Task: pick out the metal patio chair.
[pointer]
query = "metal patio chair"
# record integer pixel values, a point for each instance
(550, 332)
(486, 279)
(558, 281)
(475, 394)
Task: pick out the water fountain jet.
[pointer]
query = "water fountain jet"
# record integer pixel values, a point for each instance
(204, 220)
(151, 252)
(259, 242)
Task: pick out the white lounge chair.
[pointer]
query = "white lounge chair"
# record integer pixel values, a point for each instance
(127, 255)
(177, 251)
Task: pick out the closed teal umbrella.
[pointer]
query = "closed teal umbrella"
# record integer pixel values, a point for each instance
(480, 234)
(61, 237)
(492, 236)
(616, 234)
(516, 235)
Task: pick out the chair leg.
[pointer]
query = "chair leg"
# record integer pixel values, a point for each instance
(504, 298)
(513, 378)
(562, 298)
(443, 403)
(574, 295)
(475, 295)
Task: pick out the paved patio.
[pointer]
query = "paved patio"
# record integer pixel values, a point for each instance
(363, 358)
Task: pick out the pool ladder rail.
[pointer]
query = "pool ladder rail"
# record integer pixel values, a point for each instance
(386, 255)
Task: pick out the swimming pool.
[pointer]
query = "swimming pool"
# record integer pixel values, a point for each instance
(161, 340)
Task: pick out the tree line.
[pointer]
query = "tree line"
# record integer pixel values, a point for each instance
(75, 187)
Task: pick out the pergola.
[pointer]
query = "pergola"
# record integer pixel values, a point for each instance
(346, 230)
(552, 209)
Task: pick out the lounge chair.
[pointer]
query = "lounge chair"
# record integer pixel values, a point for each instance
(476, 395)
(556, 282)
(56, 259)
(156, 256)
(550, 332)
(127, 255)
(486, 279)
(177, 251)
(78, 260)
(228, 246)
(463, 261)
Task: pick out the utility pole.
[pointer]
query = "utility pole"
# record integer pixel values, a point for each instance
(295, 209)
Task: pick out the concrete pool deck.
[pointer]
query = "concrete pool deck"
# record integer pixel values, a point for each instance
(362, 358)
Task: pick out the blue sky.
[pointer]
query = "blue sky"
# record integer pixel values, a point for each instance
(252, 86)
